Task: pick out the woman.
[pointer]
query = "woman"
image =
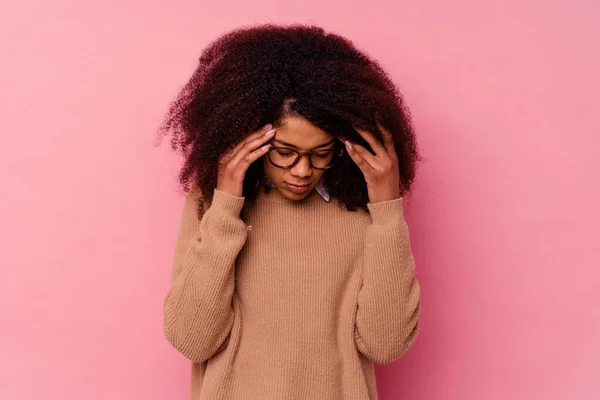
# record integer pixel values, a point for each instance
(293, 271)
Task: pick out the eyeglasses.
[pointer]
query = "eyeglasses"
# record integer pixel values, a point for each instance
(287, 158)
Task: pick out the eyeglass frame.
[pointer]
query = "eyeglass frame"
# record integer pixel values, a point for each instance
(338, 152)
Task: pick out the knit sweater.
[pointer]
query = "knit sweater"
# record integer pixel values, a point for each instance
(297, 301)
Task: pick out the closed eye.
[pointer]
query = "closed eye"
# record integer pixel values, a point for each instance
(282, 152)
(287, 152)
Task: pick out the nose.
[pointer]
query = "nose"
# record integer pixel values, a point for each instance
(302, 169)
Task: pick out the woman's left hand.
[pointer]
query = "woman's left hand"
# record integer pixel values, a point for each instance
(381, 170)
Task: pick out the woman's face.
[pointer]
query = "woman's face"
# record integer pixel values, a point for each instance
(297, 133)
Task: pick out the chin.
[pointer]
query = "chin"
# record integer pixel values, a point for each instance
(298, 196)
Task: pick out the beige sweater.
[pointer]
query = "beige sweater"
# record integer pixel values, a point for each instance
(297, 302)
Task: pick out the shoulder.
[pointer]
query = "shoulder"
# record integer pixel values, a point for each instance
(195, 204)
(359, 217)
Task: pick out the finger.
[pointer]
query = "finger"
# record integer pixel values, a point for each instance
(249, 147)
(359, 160)
(388, 140)
(245, 162)
(251, 143)
(256, 137)
(366, 155)
(373, 142)
(251, 136)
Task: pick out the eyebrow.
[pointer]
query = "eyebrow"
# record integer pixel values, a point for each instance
(296, 147)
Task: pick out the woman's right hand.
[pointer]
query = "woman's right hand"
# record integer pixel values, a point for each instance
(234, 163)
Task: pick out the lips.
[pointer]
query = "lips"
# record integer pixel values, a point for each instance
(297, 189)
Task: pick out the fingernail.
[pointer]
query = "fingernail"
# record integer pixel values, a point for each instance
(268, 126)
(348, 144)
(270, 132)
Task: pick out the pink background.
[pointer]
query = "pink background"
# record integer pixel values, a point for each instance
(505, 96)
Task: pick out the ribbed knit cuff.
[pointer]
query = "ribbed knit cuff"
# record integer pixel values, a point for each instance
(386, 211)
(227, 203)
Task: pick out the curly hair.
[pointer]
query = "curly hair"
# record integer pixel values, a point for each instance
(262, 74)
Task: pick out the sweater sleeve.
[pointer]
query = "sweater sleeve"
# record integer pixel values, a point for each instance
(387, 315)
(197, 310)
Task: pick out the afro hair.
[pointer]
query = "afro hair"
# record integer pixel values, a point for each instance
(262, 74)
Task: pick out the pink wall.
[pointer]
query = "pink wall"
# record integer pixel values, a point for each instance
(505, 97)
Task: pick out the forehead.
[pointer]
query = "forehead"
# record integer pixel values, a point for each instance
(302, 133)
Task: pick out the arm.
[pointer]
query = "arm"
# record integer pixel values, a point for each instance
(387, 315)
(197, 311)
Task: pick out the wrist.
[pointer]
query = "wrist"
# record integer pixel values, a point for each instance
(230, 190)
